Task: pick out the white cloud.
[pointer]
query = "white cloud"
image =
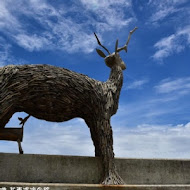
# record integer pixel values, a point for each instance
(166, 101)
(95, 4)
(110, 12)
(164, 8)
(6, 56)
(168, 14)
(185, 32)
(161, 14)
(4, 51)
(178, 86)
(52, 27)
(31, 43)
(153, 141)
(41, 137)
(148, 110)
(7, 21)
(165, 47)
(138, 84)
(172, 44)
(73, 138)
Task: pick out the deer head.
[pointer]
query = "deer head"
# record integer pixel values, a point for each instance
(114, 58)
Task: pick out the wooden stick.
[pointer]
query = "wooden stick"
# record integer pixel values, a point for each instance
(20, 147)
(126, 45)
(101, 44)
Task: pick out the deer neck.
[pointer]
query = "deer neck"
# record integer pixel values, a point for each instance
(112, 90)
(116, 77)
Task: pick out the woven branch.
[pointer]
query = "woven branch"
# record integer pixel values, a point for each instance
(56, 94)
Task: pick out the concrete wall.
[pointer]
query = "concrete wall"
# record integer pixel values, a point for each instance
(88, 170)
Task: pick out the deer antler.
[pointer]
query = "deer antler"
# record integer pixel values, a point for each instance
(129, 37)
(100, 44)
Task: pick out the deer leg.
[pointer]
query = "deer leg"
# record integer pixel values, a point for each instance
(101, 133)
(111, 177)
(94, 138)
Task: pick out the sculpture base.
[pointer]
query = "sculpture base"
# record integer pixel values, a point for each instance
(77, 172)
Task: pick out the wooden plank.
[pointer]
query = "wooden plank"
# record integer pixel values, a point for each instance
(11, 134)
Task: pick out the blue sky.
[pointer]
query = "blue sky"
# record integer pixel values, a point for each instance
(153, 119)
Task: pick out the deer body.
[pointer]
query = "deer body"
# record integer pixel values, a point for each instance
(56, 94)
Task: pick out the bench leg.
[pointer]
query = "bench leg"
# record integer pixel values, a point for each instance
(20, 147)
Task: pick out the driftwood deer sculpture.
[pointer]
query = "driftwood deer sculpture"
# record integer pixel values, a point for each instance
(57, 94)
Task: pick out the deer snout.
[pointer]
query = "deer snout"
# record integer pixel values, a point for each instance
(123, 66)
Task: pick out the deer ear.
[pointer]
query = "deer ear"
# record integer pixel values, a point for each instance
(100, 53)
